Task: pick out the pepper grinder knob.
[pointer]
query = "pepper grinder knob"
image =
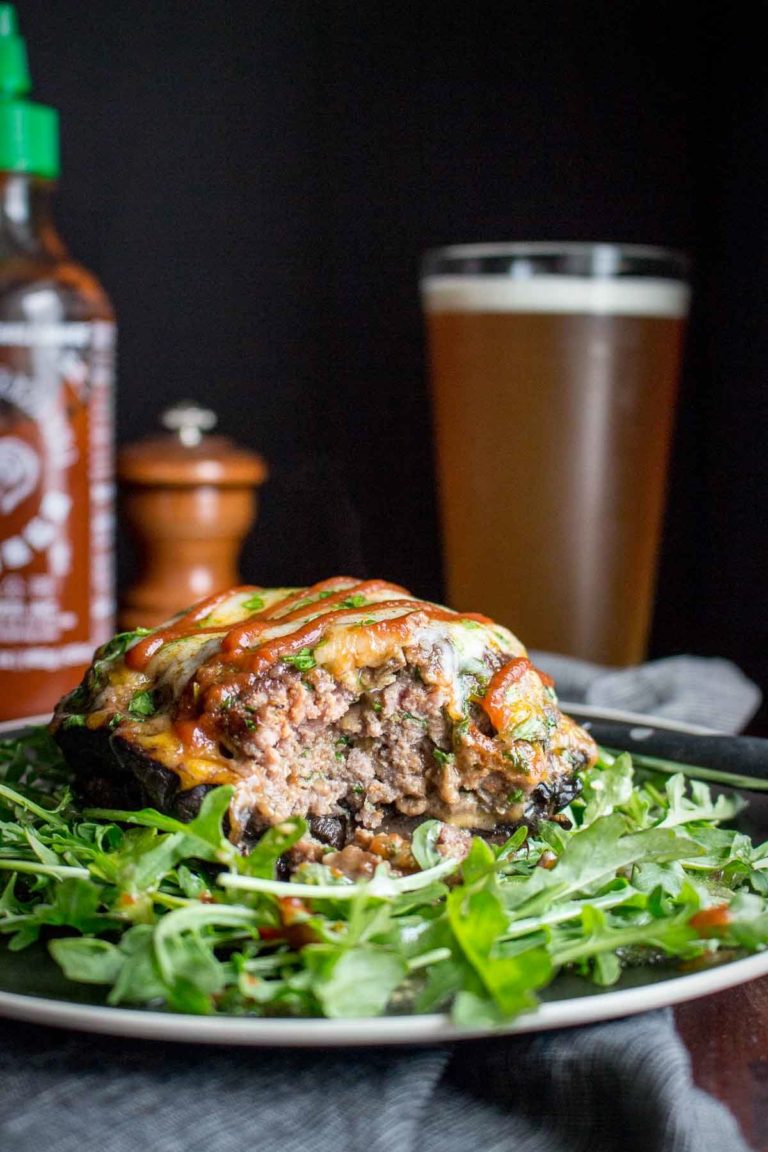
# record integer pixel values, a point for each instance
(188, 499)
(189, 421)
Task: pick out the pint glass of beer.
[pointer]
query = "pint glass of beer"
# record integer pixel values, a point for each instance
(554, 371)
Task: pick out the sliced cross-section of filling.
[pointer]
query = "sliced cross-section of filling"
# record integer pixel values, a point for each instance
(349, 703)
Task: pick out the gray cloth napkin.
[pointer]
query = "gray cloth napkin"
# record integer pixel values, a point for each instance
(623, 1086)
(619, 1087)
(702, 690)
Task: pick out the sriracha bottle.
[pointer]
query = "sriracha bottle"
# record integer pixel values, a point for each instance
(56, 446)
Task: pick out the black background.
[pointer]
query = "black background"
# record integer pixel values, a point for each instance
(254, 183)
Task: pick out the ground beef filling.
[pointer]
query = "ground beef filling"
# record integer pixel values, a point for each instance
(312, 749)
(365, 767)
(353, 764)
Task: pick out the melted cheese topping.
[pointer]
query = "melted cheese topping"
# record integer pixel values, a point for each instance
(342, 624)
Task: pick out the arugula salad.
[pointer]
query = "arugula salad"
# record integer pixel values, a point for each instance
(166, 914)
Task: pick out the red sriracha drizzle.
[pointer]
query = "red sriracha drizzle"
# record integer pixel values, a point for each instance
(496, 703)
(240, 644)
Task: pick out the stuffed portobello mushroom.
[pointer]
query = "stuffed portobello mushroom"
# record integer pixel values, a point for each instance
(349, 703)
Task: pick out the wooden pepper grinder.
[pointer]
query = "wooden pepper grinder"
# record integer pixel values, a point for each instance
(189, 499)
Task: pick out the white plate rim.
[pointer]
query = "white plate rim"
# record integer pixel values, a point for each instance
(320, 1033)
(255, 1031)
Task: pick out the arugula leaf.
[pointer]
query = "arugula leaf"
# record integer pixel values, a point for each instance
(137, 980)
(593, 855)
(75, 905)
(606, 968)
(511, 846)
(263, 857)
(86, 960)
(443, 985)
(207, 827)
(162, 912)
(423, 844)
(473, 1008)
(671, 934)
(480, 862)
(359, 982)
(478, 920)
(684, 809)
(606, 789)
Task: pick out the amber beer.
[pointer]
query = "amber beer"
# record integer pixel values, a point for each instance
(554, 398)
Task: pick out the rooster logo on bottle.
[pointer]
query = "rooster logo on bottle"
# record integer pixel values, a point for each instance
(19, 472)
(20, 475)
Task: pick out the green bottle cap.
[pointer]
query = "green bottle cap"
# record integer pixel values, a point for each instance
(29, 133)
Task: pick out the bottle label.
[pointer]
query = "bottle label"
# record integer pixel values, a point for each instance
(56, 493)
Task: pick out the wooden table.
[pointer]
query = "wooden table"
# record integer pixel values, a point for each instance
(727, 1034)
(727, 1037)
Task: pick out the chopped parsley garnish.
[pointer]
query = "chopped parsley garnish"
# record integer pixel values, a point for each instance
(343, 741)
(442, 757)
(376, 705)
(308, 601)
(364, 623)
(75, 720)
(79, 697)
(249, 724)
(142, 705)
(303, 660)
(515, 796)
(358, 789)
(475, 686)
(533, 729)
(355, 601)
(519, 761)
(253, 604)
(417, 719)
(119, 643)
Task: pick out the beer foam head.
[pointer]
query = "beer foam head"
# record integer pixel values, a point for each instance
(628, 296)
